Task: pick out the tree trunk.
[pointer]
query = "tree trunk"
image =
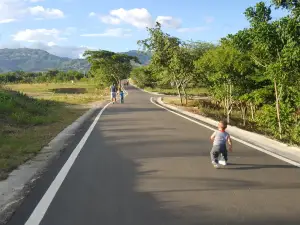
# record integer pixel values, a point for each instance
(185, 95)
(278, 109)
(243, 111)
(252, 110)
(229, 102)
(178, 91)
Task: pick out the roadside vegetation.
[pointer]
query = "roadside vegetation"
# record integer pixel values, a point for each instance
(26, 125)
(33, 114)
(252, 76)
(36, 106)
(78, 93)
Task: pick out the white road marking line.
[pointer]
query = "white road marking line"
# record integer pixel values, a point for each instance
(41, 208)
(234, 138)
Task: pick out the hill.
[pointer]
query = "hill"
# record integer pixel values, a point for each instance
(144, 58)
(34, 60)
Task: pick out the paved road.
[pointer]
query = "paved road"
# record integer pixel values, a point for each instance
(142, 165)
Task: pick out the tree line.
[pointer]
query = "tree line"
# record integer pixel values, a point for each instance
(41, 77)
(255, 71)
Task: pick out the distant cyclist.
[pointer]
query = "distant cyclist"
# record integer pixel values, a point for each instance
(113, 92)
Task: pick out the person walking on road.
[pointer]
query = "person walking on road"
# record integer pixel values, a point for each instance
(219, 139)
(121, 96)
(113, 92)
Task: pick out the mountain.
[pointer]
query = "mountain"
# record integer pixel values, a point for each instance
(34, 60)
(144, 58)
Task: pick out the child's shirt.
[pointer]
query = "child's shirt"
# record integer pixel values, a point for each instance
(121, 94)
(220, 137)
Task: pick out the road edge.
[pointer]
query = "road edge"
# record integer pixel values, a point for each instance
(19, 183)
(265, 144)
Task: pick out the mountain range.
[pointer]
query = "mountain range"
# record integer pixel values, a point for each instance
(35, 60)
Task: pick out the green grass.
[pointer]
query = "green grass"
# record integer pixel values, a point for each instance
(190, 91)
(77, 93)
(33, 114)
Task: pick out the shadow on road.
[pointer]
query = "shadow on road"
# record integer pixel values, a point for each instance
(133, 110)
(237, 166)
(111, 196)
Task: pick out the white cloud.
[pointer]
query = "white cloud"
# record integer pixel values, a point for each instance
(38, 35)
(7, 21)
(92, 14)
(47, 13)
(11, 10)
(138, 17)
(117, 32)
(51, 43)
(35, 1)
(169, 21)
(110, 20)
(191, 29)
(209, 19)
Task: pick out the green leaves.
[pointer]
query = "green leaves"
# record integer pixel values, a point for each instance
(257, 68)
(110, 67)
(258, 14)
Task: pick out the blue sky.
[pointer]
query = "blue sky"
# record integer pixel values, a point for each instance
(68, 27)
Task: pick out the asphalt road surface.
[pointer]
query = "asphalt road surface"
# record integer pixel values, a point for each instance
(142, 165)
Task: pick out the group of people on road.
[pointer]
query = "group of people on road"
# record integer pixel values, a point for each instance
(114, 91)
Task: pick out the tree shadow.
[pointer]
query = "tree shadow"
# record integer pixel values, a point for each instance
(69, 90)
(103, 187)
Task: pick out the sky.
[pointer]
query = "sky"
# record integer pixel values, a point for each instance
(69, 27)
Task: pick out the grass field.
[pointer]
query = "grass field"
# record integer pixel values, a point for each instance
(77, 93)
(29, 121)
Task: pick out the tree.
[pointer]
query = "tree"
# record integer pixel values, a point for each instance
(273, 46)
(228, 71)
(182, 67)
(109, 67)
(291, 5)
(163, 47)
(142, 76)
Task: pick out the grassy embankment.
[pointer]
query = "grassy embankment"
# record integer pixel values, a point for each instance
(33, 114)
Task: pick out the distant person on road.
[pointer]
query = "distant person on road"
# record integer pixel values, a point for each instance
(121, 96)
(219, 139)
(113, 92)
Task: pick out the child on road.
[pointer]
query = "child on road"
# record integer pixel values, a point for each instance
(122, 96)
(219, 139)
